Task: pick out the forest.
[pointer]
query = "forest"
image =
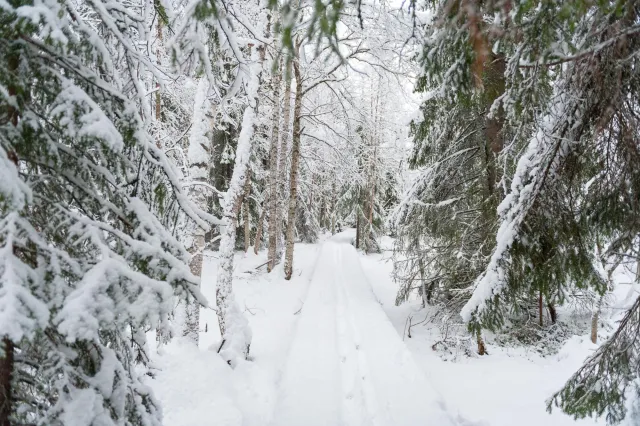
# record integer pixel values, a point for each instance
(319, 212)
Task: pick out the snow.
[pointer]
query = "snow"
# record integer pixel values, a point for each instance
(81, 116)
(329, 349)
(21, 313)
(347, 365)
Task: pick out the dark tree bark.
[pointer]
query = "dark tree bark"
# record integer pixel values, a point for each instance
(259, 231)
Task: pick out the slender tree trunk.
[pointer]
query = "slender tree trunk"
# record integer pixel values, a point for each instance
(259, 231)
(245, 211)
(158, 97)
(273, 173)
(282, 161)
(540, 310)
(234, 328)
(552, 312)
(358, 228)
(163, 334)
(6, 374)
(369, 237)
(424, 284)
(192, 310)
(7, 358)
(293, 183)
(594, 320)
(199, 157)
(334, 202)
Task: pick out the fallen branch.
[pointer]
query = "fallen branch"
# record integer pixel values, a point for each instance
(257, 267)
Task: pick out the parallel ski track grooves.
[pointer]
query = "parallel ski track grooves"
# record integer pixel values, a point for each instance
(346, 364)
(362, 391)
(294, 330)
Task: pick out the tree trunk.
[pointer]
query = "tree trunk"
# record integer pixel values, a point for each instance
(6, 373)
(423, 284)
(234, 328)
(540, 311)
(357, 228)
(191, 328)
(199, 157)
(158, 100)
(259, 231)
(494, 84)
(273, 173)
(552, 312)
(482, 350)
(282, 161)
(594, 320)
(6, 345)
(369, 237)
(245, 211)
(293, 180)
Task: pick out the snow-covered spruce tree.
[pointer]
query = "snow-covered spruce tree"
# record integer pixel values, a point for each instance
(571, 90)
(88, 203)
(445, 223)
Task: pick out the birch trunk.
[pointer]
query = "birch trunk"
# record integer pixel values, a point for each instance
(158, 51)
(357, 227)
(245, 211)
(334, 202)
(234, 328)
(198, 157)
(282, 162)
(594, 320)
(293, 180)
(273, 173)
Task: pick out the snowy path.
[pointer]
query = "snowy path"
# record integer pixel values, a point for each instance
(346, 364)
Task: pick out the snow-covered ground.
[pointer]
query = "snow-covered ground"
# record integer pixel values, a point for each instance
(327, 350)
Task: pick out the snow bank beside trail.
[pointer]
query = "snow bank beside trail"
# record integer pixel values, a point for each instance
(195, 387)
(508, 387)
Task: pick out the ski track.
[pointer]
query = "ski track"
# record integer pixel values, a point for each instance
(346, 364)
